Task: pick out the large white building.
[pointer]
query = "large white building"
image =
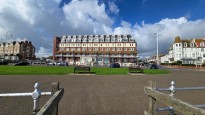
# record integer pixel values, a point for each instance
(189, 51)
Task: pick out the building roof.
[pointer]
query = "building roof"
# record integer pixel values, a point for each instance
(177, 40)
(196, 42)
(199, 41)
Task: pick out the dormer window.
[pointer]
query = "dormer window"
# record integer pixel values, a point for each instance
(192, 44)
(73, 39)
(131, 40)
(185, 44)
(63, 39)
(90, 39)
(202, 44)
(107, 38)
(84, 38)
(113, 38)
(102, 38)
(124, 36)
(96, 39)
(79, 38)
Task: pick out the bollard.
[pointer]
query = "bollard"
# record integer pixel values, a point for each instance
(172, 89)
(36, 95)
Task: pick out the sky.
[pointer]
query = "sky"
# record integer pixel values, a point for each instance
(40, 20)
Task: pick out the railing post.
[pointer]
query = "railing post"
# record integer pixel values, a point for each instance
(172, 91)
(54, 88)
(152, 101)
(36, 95)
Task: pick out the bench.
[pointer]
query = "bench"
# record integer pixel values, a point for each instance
(81, 69)
(135, 70)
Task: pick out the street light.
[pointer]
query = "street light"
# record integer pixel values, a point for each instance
(157, 58)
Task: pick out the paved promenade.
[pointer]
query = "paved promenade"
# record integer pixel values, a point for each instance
(98, 95)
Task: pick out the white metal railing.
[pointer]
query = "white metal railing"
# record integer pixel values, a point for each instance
(173, 90)
(35, 95)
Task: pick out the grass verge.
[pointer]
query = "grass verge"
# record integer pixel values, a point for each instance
(56, 70)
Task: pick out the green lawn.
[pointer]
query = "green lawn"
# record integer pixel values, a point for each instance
(56, 70)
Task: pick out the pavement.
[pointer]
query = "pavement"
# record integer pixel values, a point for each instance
(98, 94)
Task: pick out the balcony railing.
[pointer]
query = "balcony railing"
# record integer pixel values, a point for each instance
(94, 55)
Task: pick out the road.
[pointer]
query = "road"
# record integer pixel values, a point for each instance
(98, 94)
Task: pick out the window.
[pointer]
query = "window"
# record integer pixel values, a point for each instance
(90, 38)
(95, 44)
(202, 49)
(176, 45)
(113, 38)
(113, 49)
(95, 49)
(90, 49)
(202, 44)
(119, 49)
(107, 49)
(125, 49)
(101, 49)
(78, 49)
(192, 44)
(84, 49)
(72, 49)
(67, 49)
(185, 44)
(78, 45)
(131, 49)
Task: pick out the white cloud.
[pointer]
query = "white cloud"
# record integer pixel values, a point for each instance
(167, 29)
(39, 21)
(113, 7)
(43, 52)
(87, 17)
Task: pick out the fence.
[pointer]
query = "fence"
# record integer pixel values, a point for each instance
(51, 107)
(173, 103)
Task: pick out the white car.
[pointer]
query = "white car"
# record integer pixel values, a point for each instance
(62, 63)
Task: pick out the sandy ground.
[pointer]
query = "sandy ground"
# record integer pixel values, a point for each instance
(98, 95)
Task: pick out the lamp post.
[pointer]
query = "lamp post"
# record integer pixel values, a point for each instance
(157, 57)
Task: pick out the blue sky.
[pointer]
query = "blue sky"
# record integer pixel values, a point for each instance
(152, 11)
(39, 21)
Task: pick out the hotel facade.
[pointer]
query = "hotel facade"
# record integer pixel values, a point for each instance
(17, 50)
(95, 49)
(189, 51)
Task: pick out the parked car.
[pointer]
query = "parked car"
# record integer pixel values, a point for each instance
(22, 63)
(3, 63)
(154, 66)
(62, 63)
(114, 65)
(50, 64)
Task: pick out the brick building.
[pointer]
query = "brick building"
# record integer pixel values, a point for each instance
(98, 49)
(17, 50)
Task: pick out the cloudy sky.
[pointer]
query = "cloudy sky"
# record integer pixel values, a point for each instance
(40, 20)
